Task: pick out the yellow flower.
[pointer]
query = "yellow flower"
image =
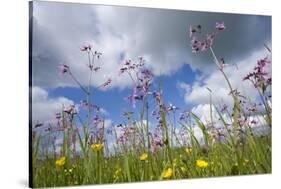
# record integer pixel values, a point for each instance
(143, 157)
(188, 150)
(201, 163)
(60, 162)
(97, 147)
(167, 173)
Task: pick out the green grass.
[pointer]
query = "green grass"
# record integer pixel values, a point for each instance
(254, 153)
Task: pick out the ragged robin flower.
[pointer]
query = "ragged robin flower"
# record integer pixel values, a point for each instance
(166, 174)
(201, 163)
(97, 147)
(143, 157)
(60, 162)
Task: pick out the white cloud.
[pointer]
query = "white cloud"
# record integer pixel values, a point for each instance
(44, 107)
(107, 123)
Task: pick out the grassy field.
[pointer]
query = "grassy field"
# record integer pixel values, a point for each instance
(137, 150)
(218, 160)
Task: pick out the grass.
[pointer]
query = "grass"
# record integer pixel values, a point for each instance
(127, 167)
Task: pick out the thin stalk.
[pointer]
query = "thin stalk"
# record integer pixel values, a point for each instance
(80, 85)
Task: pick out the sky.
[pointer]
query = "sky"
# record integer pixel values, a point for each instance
(121, 33)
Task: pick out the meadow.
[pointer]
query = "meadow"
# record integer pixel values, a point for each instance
(170, 148)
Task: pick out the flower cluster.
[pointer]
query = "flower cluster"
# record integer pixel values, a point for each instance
(260, 76)
(126, 132)
(128, 65)
(200, 45)
(142, 79)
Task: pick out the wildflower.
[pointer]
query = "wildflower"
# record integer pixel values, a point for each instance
(167, 173)
(157, 96)
(98, 54)
(220, 26)
(86, 48)
(143, 157)
(70, 110)
(171, 108)
(210, 39)
(60, 162)
(97, 120)
(188, 150)
(224, 108)
(97, 147)
(122, 70)
(260, 77)
(58, 116)
(201, 163)
(106, 83)
(63, 68)
(195, 45)
(184, 115)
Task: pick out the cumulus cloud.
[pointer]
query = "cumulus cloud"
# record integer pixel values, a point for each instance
(197, 92)
(44, 107)
(121, 32)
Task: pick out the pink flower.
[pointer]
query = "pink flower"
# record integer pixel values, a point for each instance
(63, 68)
(106, 83)
(97, 120)
(58, 116)
(220, 26)
(86, 48)
(70, 110)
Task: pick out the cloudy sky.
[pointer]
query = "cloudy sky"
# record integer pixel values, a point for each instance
(160, 36)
